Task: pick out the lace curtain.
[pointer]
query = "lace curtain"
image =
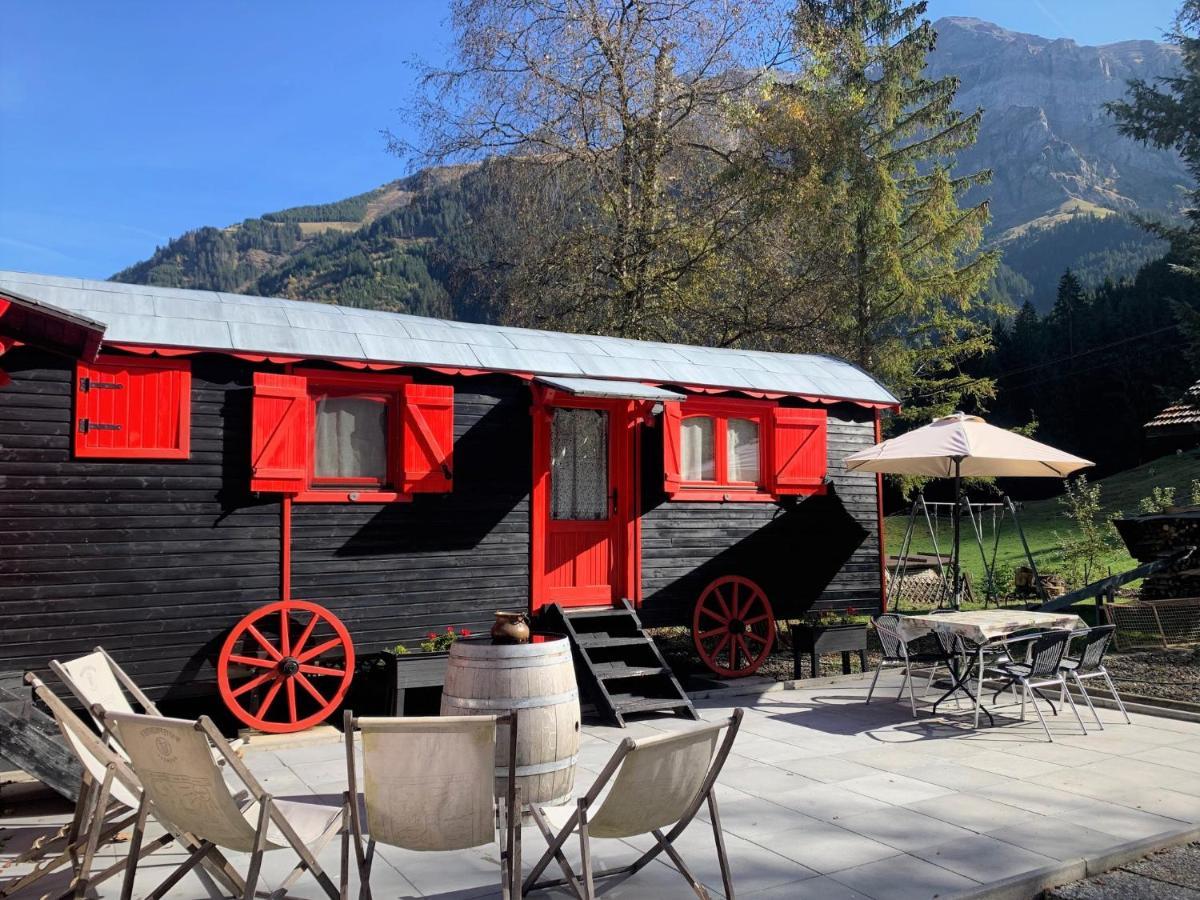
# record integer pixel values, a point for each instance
(579, 464)
(351, 440)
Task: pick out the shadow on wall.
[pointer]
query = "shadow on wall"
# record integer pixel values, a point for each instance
(795, 555)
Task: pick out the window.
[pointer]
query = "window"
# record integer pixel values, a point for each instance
(133, 408)
(334, 437)
(734, 449)
(579, 464)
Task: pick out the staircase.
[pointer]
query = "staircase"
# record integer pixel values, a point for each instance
(619, 665)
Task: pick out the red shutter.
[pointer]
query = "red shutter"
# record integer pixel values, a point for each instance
(798, 450)
(428, 442)
(670, 424)
(279, 434)
(133, 409)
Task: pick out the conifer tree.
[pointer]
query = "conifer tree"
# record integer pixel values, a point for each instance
(912, 301)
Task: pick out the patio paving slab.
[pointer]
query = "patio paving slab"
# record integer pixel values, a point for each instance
(904, 878)
(983, 858)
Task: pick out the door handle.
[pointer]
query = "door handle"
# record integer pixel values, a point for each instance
(614, 502)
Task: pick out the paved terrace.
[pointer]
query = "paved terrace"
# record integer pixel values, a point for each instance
(824, 797)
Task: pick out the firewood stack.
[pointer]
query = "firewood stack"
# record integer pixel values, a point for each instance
(1155, 536)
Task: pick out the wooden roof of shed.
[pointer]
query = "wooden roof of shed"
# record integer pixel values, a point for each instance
(1181, 417)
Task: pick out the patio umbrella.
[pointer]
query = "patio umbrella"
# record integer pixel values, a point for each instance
(959, 445)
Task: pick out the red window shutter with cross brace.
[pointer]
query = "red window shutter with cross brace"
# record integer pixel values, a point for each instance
(428, 440)
(279, 434)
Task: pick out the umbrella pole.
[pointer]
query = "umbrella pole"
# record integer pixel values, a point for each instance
(956, 599)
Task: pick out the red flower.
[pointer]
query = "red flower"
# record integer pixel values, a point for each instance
(432, 635)
(450, 628)
(464, 632)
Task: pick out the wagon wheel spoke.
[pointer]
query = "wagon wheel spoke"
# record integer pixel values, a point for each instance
(253, 683)
(291, 700)
(272, 693)
(257, 661)
(705, 635)
(721, 645)
(305, 634)
(285, 640)
(733, 602)
(318, 650)
(266, 645)
(755, 637)
(746, 654)
(724, 606)
(754, 620)
(709, 611)
(316, 695)
(308, 669)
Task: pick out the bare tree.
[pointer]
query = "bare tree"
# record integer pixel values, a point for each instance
(614, 116)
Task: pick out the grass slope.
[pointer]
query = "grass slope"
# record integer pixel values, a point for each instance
(1041, 520)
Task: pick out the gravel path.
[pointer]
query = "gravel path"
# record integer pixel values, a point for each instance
(1169, 875)
(1172, 674)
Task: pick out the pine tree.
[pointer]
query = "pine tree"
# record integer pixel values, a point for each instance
(1166, 114)
(913, 296)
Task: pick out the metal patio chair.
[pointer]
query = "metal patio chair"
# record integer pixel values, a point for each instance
(1042, 668)
(896, 655)
(659, 782)
(1090, 664)
(182, 783)
(429, 783)
(109, 795)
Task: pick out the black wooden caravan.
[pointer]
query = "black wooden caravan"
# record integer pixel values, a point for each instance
(215, 453)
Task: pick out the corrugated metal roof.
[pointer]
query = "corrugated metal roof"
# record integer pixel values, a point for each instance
(212, 320)
(608, 387)
(1181, 417)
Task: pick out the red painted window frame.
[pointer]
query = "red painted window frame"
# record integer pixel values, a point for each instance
(184, 448)
(357, 384)
(721, 410)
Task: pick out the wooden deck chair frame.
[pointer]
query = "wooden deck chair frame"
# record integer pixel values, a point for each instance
(508, 817)
(99, 817)
(205, 849)
(124, 682)
(583, 884)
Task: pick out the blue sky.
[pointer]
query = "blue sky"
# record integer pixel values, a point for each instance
(125, 124)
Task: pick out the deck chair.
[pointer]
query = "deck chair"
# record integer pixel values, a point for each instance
(1041, 669)
(1090, 664)
(97, 680)
(181, 782)
(441, 797)
(659, 782)
(109, 796)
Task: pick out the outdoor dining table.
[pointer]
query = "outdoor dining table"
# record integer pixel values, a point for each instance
(980, 630)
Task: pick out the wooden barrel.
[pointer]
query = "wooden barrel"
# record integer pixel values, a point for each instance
(538, 681)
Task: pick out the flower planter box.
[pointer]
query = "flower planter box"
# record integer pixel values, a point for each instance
(418, 671)
(373, 690)
(817, 639)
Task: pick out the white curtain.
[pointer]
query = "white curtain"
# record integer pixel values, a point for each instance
(742, 449)
(699, 460)
(351, 438)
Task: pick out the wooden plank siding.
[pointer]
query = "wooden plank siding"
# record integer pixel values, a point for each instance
(806, 552)
(157, 560)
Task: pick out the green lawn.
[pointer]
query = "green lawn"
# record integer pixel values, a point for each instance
(1042, 518)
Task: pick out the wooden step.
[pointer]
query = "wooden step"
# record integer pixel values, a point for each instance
(638, 669)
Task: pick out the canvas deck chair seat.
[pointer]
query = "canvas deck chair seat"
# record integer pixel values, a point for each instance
(657, 783)
(98, 681)
(444, 795)
(109, 797)
(184, 786)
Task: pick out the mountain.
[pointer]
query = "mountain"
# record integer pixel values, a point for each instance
(1064, 182)
(1053, 150)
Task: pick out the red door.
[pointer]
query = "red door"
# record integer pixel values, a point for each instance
(582, 495)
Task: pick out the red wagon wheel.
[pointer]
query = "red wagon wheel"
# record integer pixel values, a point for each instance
(733, 626)
(286, 666)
